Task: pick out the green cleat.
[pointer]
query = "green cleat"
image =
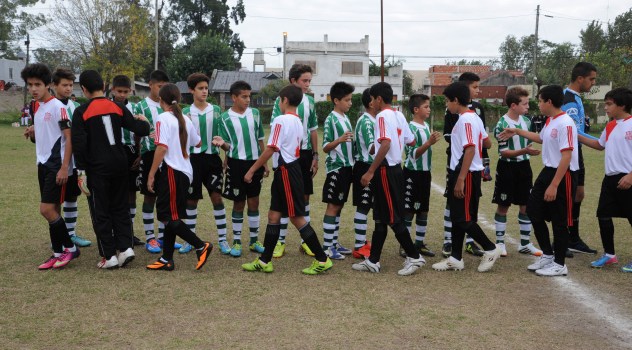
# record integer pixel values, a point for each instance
(80, 241)
(258, 265)
(256, 247)
(279, 250)
(318, 267)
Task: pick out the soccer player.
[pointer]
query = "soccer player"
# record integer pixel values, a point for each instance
(468, 137)
(300, 75)
(616, 187)
(362, 195)
(417, 171)
(338, 145)
(583, 78)
(207, 165)
(53, 147)
(551, 197)
(170, 175)
(387, 181)
(241, 137)
(472, 81)
(121, 88)
(101, 158)
(514, 177)
(287, 198)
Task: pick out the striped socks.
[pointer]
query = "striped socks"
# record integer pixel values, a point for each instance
(500, 222)
(284, 221)
(253, 225)
(70, 216)
(191, 219)
(329, 227)
(238, 221)
(525, 228)
(420, 229)
(148, 220)
(219, 212)
(447, 225)
(360, 224)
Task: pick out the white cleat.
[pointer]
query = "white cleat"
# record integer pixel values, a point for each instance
(553, 269)
(411, 265)
(125, 257)
(541, 263)
(529, 249)
(112, 263)
(367, 265)
(489, 258)
(449, 264)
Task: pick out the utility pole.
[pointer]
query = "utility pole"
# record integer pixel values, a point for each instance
(156, 43)
(382, 33)
(27, 43)
(535, 49)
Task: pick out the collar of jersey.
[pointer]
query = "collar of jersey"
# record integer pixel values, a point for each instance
(232, 111)
(49, 99)
(555, 116)
(573, 91)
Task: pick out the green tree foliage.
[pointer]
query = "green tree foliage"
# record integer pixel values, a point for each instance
(593, 38)
(408, 84)
(389, 61)
(14, 25)
(271, 91)
(324, 108)
(620, 31)
(556, 63)
(205, 53)
(57, 59)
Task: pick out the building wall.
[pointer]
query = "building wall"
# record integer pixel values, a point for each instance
(10, 71)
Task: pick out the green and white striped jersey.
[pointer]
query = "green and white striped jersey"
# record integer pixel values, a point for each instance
(516, 142)
(150, 109)
(364, 138)
(422, 134)
(127, 137)
(70, 107)
(243, 132)
(341, 156)
(206, 123)
(308, 118)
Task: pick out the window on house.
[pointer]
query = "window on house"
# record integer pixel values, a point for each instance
(352, 68)
(11, 73)
(308, 63)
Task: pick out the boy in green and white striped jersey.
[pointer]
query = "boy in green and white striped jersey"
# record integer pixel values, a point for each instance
(205, 161)
(514, 177)
(241, 136)
(417, 171)
(338, 144)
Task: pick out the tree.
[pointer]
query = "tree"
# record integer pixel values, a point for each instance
(620, 31)
(57, 59)
(464, 62)
(511, 55)
(593, 38)
(271, 91)
(556, 62)
(375, 70)
(14, 25)
(204, 54)
(408, 84)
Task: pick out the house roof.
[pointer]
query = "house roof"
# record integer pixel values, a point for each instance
(222, 81)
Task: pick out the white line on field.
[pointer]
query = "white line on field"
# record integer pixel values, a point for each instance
(581, 294)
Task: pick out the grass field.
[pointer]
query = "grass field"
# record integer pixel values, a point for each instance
(221, 306)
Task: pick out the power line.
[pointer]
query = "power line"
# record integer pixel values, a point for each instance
(391, 21)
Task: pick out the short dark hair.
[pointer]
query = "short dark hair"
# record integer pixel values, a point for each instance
(91, 80)
(582, 69)
(458, 91)
(121, 81)
(383, 90)
(339, 90)
(514, 95)
(293, 94)
(158, 76)
(63, 73)
(416, 100)
(555, 93)
(195, 79)
(297, 70)
(366, 97)
(37, 70)
(237, 87)
(621, 97)
(468, 78)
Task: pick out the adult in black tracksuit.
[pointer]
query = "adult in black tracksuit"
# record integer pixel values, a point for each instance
(102, 164)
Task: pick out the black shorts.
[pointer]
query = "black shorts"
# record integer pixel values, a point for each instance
(50, 191)
(207, 171)
(337, 185)
(72, 186)
(561, 209)
(133, 179)
(305, 161)
(388, 195)
(171, 188)
(236, 189)
(613, 202)
(146, 160)
(417, 190)
(581, 173)
(465, 209)
(286, 193)
(362, 196)
(513, 183)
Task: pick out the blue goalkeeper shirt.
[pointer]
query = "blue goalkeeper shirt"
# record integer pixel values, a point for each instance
(574, 107)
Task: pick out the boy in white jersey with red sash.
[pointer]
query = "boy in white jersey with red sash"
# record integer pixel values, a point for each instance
(552, 194)
(51, 134)
(615, 200)
(287, 198)
(464, 180)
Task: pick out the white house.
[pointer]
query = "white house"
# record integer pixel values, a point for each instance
(10, 71)
(337, 61)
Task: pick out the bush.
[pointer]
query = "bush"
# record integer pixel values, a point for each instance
(324, 108)
(10, 117)
(81, 100)
(266, 114)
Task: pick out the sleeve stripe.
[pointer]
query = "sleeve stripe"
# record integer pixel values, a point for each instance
(157, 133)
(382, 128)
(64, 114)
(468, 133)
(275, 137)
(569, 131)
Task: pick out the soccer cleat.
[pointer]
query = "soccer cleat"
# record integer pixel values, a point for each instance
(176, 245)
(473, 249)
(80, 241)
(256, 247)
(424, 250)
(449, 264)
(552, 269)
(367, 265)
(529, 249)
(110, 264)
(203, 254)
(333, 253)
(604, 260)
(224, 247)
(279, 250)
(125, 257)
(541, 263)
(581, 247)
(153, 246)
(489, 258)
(137, 241)
(186, 247)
(447, 249)
(48, 264)
(342, 250)
(627, 268)
(362, 252)
(503, 252)
(305, 249)
(487, 174)
(63, 259)
(569, 254)
(411, 265)
(159, 265)
(76, 253)
(318, 267)
(258, 265)
(235, 250)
